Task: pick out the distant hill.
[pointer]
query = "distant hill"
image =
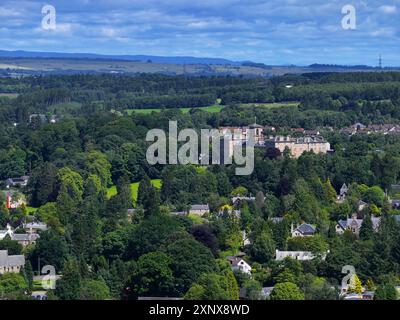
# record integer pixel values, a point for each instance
(137, 58)
(23, 63)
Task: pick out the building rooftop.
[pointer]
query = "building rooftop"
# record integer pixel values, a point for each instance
(11, 261)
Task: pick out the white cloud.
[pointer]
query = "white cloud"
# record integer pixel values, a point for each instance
(388, 9)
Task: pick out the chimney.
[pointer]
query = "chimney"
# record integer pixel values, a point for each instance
(8, 201)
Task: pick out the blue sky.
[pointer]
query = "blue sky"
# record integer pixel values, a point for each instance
(274, 31)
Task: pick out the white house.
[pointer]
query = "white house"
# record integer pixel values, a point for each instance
(297, 255)
(4, 233)
(10, 264)
(238, 264)
(199, 209)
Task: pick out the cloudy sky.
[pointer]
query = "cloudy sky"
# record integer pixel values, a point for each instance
(270, 31)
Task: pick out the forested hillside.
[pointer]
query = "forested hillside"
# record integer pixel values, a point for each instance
(105, 250)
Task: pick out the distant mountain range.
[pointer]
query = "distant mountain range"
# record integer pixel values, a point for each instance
(136, 58)
(17, 63)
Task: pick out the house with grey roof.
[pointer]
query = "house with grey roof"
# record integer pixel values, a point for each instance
(199, 209)
(17, 182)
(395, 204)
(354, 224)
(303, 230)
(25, 239)
(33, 227)
(10, 264)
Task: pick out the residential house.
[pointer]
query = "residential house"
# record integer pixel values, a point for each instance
(276, 219)
(34, 227)
(7, 232)
(236, 201)
(296, 255)
(238, 264)
(362, 205)
(179, 213)
(14, 199)
(395, 204)
(199, 209)
(245, 238)
(266, 292)
(10, 264)
(343, 193)
(354, 224)
(25, 239)
(303, 230)
(42, 118)
(230, 210)
(17, 182)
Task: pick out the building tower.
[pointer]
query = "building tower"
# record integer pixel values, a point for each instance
(380, 61)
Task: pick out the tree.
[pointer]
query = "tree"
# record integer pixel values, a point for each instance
(144, 190)
(355, 285)
(69, 286)
(12, 284)
(263, 248)
(190, 259)
(43, 184)
(51, 249)
(13, 247)
(286, 291)
(28, 274)
(154, 275)
(239, 191)
(374, 195)
(367, 229)
(285, 276)
(209, 286)
(151, 235)
(94, 290)
(385, 292)
(253, 290)
(329, 192)
(70, 195)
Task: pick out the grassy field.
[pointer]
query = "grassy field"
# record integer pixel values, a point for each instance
(30, 210)
(212, 109)
(271, 105)
(134, 187)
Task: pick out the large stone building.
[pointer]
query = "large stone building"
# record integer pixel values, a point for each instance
(298, 146)
(10, 264)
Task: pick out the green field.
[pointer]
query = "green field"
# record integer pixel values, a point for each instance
(271, 105)
(134, 187)
(30, 210)
(212, 109)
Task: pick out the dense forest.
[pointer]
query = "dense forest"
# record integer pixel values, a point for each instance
(104, 251)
